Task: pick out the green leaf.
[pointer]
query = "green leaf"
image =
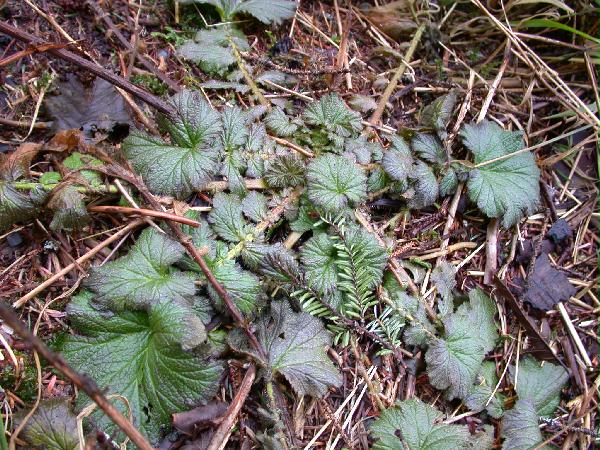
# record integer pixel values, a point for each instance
(76, 161)
(139, 355)
(285, 170)
(335, 183)
(397, 160)
(143, 277)
(267, 11)
(454, 361)
(506, 189)
(281, 124)
(53, 426)
(332, 114)
(50, 177)
(443, 277)
(16, 206)
(481, 310)
(361, 149)
(481, 391)
(429, 148)
(425, 186)
(194, 123)
(242, 286)
(69, 209)
(520, 428)
(411, 425)
(318, 257)
(547, 23)
(187, 163)
(539, 384)
(254, 206)
(211, 50)
(226, 218)
(449, 183)
(438, 114)
(295, 343)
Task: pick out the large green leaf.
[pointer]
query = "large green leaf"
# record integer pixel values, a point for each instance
(189, 161)
(540, 384)
(144, 276)
(335, 183)
(139, 355)
(397, 160)
(411, 425)
(295, 344)
(242, 286)
(506, 189)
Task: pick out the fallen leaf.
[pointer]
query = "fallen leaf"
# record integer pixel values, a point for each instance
(99, 108)
(547, 286)
(201, 417)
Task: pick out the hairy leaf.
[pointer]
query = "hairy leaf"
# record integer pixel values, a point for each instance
(332, 114)
(520, 428)
(16, 206)
(254, 206)
(411, 425)
(281, 124)
(210, 49)
(139, 356)
(190, 160)
(267, 11)
(397, 160)
(53, 426)
(479, 394)
(437, 114)
(539, 384)
(335, 183)
(505, 189)
(285, 170)
(143, 277)
(425, 186)
(429, 148)
(295, 345)
(362, 103)
(226, 218)
(449, 183)
(361, 149)
(242, 286)
(319, 260)
(454, 361)
(443, 277)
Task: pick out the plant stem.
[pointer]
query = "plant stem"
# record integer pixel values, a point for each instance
(253, 87)
(376, 117)
(275, 410)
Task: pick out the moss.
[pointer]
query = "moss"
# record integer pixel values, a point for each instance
(26, 389)
(150, 83)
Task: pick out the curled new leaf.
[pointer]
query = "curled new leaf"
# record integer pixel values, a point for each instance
(332, 114)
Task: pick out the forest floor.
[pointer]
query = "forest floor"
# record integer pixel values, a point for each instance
(526, 66)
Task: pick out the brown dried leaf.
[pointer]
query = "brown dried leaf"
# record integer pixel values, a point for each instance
(16, 164)
(547, 286)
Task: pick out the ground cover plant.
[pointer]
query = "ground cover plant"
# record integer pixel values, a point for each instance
(251, 224)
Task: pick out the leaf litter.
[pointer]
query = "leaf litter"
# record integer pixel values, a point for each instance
(301, 208)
